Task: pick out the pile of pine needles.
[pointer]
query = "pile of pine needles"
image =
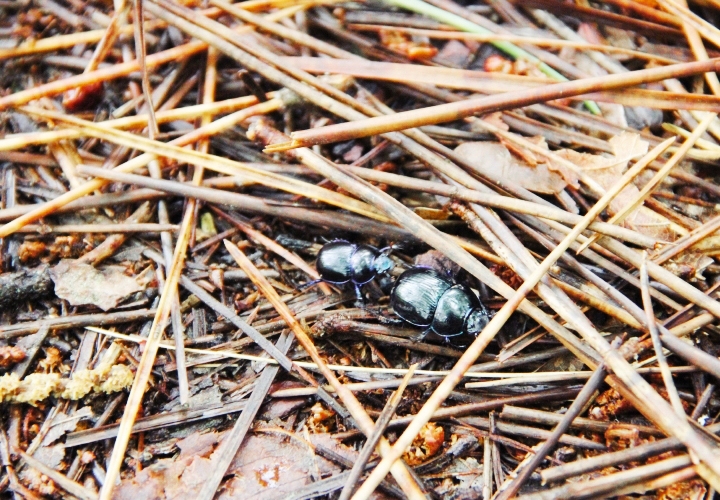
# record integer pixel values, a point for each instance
(170, 171)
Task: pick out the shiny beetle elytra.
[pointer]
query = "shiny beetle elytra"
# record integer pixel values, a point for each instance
(341, 262)
(423, 297)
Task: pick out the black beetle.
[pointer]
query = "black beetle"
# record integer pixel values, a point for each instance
(341, 262)
(423, 297)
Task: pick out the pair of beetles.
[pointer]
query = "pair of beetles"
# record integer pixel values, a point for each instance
(421, 296)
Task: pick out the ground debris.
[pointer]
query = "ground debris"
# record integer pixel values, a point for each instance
(9, 355)
(29, 284)
(82, 284)
(164, 199)
(427, 444)
(495, 159)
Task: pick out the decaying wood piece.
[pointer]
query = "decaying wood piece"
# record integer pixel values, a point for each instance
(28, 284)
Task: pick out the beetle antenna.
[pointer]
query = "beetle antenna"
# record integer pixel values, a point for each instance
(390, 248)
(307, 285)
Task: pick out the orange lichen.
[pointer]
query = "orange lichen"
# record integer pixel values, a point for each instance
(9, 355)
(400, 42)
(426, 444)
(608, 404)
(53, 361)
(321, 419)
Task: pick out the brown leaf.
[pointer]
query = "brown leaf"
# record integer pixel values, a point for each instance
(62, 424)
(689, 265)
(269, 466)
(465, 480)
(173, 479)
(197, 444)
(193, 477)
(52, 456)
(205, 398)
(82, 284)
(148, 483)
(607, 171)
(455, 52)
(438, 261)
(282, 407)
(495, 160)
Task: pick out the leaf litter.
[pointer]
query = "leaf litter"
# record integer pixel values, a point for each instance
(89, 281)
(82, 284)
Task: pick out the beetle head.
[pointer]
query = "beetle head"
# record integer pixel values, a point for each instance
(476, 321)
(383, 263)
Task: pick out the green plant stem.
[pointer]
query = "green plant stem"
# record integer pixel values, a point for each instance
(463, 24)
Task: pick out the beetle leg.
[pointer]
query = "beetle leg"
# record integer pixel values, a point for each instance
(360, 302)
(420, 336)
(389, 321)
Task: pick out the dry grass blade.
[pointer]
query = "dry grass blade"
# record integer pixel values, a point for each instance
(100, 75)
(141, 197)
(610, 483)
(528, 466)
(659, 354)
(519, 39)
(380, 425)
(75, 489)
(18, 141)
(274, 247)
(251, 332)
(168, 150)
(213, 162)
(142, 377)
(658, 177)
(59, 42)
(140, 48)
(234, 440)
(353, 405)
(89, 187)
(284, 361)
(456, 110)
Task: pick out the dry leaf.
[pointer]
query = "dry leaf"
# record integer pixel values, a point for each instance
(455, 52)
(709, 245)
(628, 146)
(205, 398)
(174, 479)
(281, 407)
(465, 481)
(269, 466)
(82, 284)
(607, 171)
(494, 159)
(689, 265)
(198, 444)
(52, 456)
(62, 424)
